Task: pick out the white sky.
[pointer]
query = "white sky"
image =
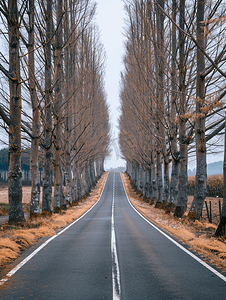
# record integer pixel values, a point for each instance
(110, 15)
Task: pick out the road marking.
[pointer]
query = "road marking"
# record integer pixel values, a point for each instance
(115, 263)
(176, 243)
(23, 262)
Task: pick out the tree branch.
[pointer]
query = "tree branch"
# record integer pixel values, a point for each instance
(215, 132)
(6, 73)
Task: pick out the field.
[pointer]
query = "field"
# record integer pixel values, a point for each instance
(214, 186)
(213, 200)
(26, 199)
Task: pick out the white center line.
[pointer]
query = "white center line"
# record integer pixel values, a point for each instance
(115, 263)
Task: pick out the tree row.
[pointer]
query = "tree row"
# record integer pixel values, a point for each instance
(172, 97)
(53, 100)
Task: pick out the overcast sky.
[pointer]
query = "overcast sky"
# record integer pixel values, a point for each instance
(110, 15)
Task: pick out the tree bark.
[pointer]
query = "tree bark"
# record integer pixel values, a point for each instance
(154, 194)
(201, 169)
(221, 227)
(166, 180)
(146, 190)
(181, 201)
(78, 182)
(160, 97)
(159, 177)
(173, 133)
(149, 185)
(59, 200)
(15, 175)
(47, 164)
(35, 180)
(138, 176)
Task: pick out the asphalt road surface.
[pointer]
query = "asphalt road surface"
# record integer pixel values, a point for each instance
(112, 253)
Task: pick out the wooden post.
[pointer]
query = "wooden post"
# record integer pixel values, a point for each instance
(207, 211)
(210, 213)
(220, 214)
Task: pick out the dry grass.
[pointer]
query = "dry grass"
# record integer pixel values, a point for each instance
(215, 185)
(14, 239)
(197, 235)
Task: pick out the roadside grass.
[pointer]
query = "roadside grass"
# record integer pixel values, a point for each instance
(198, 235)
(4, 208)
(15, 239)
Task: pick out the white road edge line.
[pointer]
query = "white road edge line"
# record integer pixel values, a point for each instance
(23, 262)
(176, 243)
(115, 263)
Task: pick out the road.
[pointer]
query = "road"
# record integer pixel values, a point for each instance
(113, 253)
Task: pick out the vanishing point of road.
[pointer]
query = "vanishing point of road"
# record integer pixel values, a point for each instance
(112, 252)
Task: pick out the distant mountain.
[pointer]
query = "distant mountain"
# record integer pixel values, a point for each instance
(215, 168)
(191, 172)
(212, 169)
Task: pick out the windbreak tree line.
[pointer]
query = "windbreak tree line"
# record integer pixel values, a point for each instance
(4, 154)
(52, 99)
(172, 97)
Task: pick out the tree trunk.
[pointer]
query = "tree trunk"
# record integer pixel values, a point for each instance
(173, 133)
(141, 179)
(160, 97)
(166, 180)
(68, 178)
(47, 163)
(35, 180)
(92, 174)
(58, 199)
(88, 178)
(201, 170)
(149, 187)
(146, 185)
(159, 178)
(154, 189)
(181, 201)
(98, 168)
(102, 165)
(78, 182)
(84, 181)
(138, 176)
(15, 175)
(130, 168)
(221, 227)
(224, 172)
(132, 171)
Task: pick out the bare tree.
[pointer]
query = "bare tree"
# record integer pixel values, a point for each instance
(175, 81)
(34, 153)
